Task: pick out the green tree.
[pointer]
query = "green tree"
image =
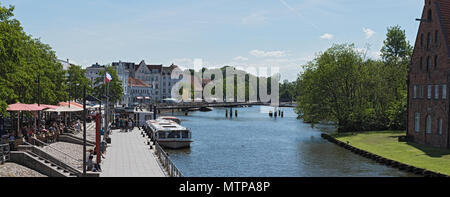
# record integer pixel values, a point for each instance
(23, 60)
(115, 86)
(396, 47)
(77, 79)
(396, 54)
(342, 98)
(340, 86)
(287, 91)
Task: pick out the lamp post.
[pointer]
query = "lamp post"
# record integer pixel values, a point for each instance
(39, 96)
(97, 135)
(84, 131)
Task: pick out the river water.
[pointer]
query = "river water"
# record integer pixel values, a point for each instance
(255, 145)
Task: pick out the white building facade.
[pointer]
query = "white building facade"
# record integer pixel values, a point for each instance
(93, 72)
(157, 77)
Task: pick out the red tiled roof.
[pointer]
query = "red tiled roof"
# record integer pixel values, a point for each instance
(444, 13)
(137, 82)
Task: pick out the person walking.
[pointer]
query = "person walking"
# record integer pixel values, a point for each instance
(25, 133)
(121, 124)
(130, 125)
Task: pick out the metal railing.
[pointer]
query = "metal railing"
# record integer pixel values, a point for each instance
(167, 164)
(4, 153)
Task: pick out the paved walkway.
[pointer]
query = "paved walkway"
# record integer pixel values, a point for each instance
(129, 156)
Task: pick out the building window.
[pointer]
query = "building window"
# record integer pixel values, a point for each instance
(430, 40)
(417, 122)
(436, 92)
(436, 36)
(430, 15)
(415, 92)
(421, 40)
(435, 61)
(421, 92)
(440, 126)
(429, 91)
(421, 63)
(429, 63)
(428, 130)
(444, 91)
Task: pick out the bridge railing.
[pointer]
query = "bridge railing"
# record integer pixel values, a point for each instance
(204, 104)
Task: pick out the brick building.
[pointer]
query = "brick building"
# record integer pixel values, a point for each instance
(429, 77)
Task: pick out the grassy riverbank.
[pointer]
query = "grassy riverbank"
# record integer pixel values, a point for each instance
(385, 144)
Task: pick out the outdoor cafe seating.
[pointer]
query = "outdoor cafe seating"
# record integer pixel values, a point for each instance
(50, 128)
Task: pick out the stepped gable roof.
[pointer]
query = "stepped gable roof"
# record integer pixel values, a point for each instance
(139, 65)
(137, 83)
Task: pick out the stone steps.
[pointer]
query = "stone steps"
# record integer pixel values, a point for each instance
(59, 169)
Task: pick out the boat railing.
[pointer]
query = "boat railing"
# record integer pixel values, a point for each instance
(167, 164)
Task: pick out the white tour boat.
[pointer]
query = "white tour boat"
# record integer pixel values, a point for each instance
(170, 134)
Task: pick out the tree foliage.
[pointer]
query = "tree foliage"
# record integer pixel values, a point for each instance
(115, 86)
(75, 81)
(22, 60)
(340, 86)
(287, 91)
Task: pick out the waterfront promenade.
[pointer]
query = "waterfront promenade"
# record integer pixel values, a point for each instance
(129, 156)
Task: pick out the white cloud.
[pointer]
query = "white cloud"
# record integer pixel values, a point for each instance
(327, 36)
(369, 32)
(260, 53)
(240, 58)
(254, 19)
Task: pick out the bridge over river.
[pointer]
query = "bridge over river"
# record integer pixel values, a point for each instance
(199, 105)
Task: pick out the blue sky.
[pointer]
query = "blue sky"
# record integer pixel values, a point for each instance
(282, 33)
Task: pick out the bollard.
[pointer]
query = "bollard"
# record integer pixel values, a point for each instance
(236, 113)
(231, 112)
(275, 115)
(226, 113)
(282, 114)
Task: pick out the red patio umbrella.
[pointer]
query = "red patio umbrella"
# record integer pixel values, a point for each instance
(44, 106)
(24, 107)
(18, 107)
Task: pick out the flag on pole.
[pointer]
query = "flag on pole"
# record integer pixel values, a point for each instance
(108, 78)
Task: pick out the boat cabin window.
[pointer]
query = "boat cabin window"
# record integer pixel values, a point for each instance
(174, 134)
(162, 135)
(185, 134)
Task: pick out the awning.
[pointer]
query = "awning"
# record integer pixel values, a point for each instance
(139, 98)
(148, 98)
